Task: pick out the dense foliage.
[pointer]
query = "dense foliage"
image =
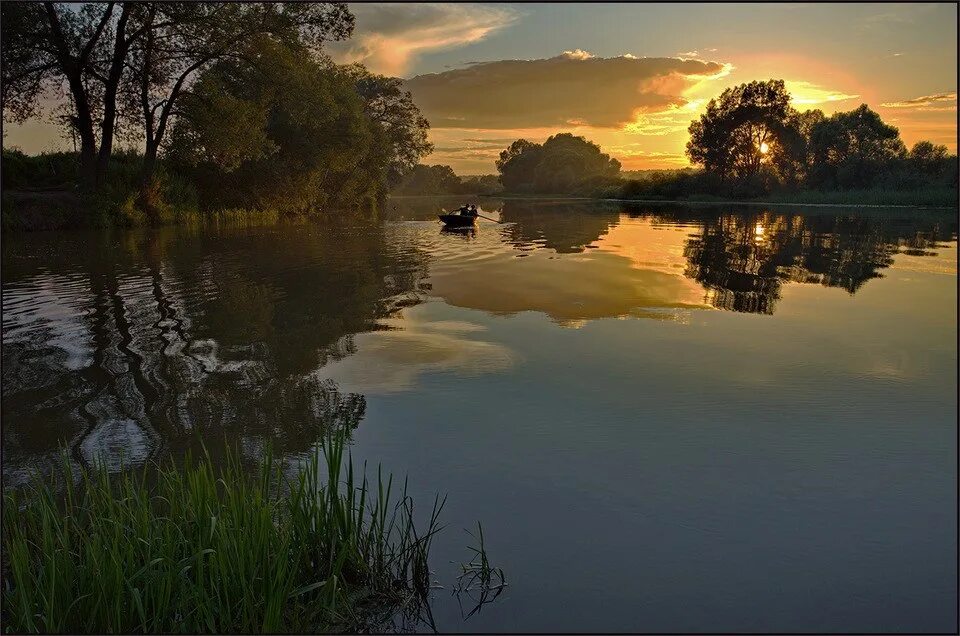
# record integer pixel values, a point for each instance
(562, 164)
(277, 129)
(126, 65)
(752, 141)
(235, 100)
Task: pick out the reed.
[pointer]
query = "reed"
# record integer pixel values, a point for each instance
(197, 548)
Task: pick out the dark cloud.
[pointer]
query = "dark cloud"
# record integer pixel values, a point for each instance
(571, 89)
(927, 102)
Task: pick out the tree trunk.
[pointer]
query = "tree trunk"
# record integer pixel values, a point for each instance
(149, 163)
(83, 122)
(111, 87)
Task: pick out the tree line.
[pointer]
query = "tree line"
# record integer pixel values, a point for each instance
(237, 99)
(749, 142)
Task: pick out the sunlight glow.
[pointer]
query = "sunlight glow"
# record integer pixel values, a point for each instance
(764, 148)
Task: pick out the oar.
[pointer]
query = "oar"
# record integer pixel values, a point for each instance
(444, 210)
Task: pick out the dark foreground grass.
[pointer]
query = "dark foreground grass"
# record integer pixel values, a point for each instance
(201, 549)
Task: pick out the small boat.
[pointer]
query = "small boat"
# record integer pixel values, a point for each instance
(457, 220)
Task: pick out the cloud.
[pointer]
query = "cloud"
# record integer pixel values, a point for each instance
(389, 37)
(578, 54)
(808, 93)
(937, 102)
(571, 89)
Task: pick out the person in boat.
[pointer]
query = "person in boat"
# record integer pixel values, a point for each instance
(472, 211)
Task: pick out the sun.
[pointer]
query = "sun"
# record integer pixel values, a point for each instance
(764, 148)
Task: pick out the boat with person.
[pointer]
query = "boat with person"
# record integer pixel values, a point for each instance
(465, 216)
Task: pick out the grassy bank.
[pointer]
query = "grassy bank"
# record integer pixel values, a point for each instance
(202, 549)
(40, 193)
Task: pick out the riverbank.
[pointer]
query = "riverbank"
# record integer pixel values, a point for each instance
(205, 548)
(62, 209)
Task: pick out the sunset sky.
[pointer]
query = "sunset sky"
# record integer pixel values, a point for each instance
(631, 76)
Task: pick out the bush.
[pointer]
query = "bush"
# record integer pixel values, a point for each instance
(44, 171)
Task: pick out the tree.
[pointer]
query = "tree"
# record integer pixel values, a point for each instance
(275, 128)
(272, 129)
(561, 164)
(401, 125)
(569, 161)
(737, 130)
(183, 39)
(131, 61)
(850, 149)
(791, 156)
(928, 159)
(48, 45)
(518, 163)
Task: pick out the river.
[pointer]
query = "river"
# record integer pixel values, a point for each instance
(666, 418)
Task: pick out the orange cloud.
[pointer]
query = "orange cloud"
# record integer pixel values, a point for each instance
(571, 89)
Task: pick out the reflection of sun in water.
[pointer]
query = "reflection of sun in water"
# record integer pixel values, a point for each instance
(764, 148)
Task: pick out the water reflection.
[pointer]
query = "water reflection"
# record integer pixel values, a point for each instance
(566, 228)
(170, 339)
(743, 261)
(125, 344)
(828, 421)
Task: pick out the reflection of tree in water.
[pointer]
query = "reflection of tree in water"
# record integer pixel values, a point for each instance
(737, 271)
(566, 227)
(743, 259)
(183, 342)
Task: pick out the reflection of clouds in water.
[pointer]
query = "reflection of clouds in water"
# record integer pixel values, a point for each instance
(392, 361)
(569, 289)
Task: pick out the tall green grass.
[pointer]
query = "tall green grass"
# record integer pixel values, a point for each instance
(204, 549)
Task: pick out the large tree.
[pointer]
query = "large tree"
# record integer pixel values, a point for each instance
(55, 48)
(183, 39)
(850, 149)
(276, 128)
(132, 61)
(402, 127)
(562, 163)
(739, 128)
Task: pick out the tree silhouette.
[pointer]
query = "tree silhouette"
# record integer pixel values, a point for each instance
(732, 137)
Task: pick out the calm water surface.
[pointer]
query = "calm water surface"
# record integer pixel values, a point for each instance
(665, 418)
